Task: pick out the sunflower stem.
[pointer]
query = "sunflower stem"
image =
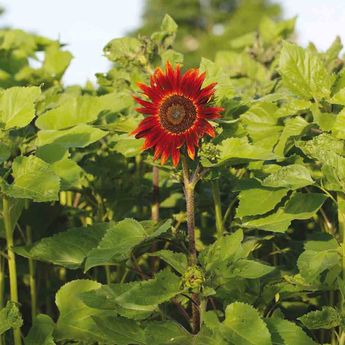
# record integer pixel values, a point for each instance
(189, 187)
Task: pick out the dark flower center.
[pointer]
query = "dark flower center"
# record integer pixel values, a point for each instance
(177, 114)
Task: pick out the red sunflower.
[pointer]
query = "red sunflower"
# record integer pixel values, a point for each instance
(178, 112)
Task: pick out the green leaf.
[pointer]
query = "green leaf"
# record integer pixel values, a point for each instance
(287, 333)
(51, 153)
(81, 109)
(239, 150)
(81, 135)
(148, 294)
(250, 269)
(10, 317)
(268, 197)
(293, 176)
(171, 56)
(17, 106)
(33, 179)
(68, 171)
(75, 318)
(224, 249)
(312, 264)
(304, 73)
(122, 49)
(127, 145)
(41, 331)
(177, 261)
(244, 326)
(339, 97)
(328, 151)
(120, 331)
(169, 332)
(168, 25)
(120, 239)
(300, 206)
(56, 61)
(326, 318)
(338, 127)
(69, 248)
(5, 152)
(138, 296)
(293, 128)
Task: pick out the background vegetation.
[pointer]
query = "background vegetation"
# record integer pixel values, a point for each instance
(83, 262)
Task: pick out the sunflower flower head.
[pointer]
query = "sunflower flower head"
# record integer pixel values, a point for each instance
(178, 110)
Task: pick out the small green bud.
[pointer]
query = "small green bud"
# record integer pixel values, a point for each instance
(193, 278)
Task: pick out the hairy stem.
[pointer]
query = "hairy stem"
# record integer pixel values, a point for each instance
(217, 208)
(189, 186)
(11, 259)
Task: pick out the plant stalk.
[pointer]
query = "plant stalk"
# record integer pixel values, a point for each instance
(189, 187)
(341, 223)
(2, 288)
(217, 208)
(32, 277)
(155, 195)
(11, 259)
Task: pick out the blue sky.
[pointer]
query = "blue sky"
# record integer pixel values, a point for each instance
(87, 25)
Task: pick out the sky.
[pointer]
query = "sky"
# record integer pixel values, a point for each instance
(88, 25)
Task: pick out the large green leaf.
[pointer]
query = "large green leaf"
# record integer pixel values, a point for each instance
(41, 331)
(33, 179)
(293, 176)
(304, 72)
(300, 206)
(75, 318)
(239, 150)
(81, 109)
(120, 331)
(69, 248)
(79, 136)
(325, 318)
(269, 198)
(312, 263)
(169, 332)
(17, 106)
(287, 333)
(120, 239)
(10, 317)
(244, 326)
(136, 299)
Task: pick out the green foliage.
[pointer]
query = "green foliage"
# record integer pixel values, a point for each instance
(77, 189)
(326, 318)
(10, 317)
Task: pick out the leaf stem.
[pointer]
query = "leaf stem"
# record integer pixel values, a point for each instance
(11, 260)
(189, 187)
(217, 207)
